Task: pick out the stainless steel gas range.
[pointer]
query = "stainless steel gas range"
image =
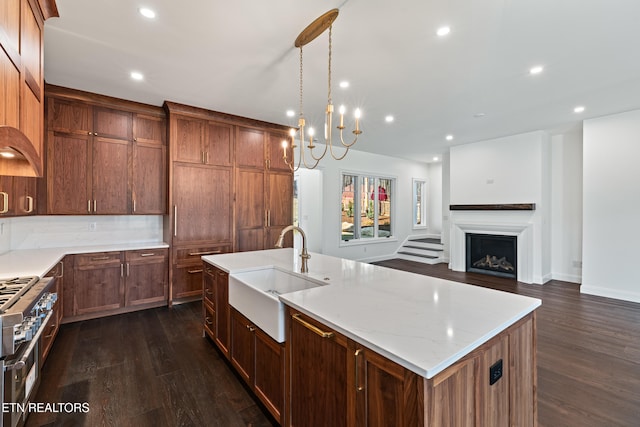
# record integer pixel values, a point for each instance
(25, 308)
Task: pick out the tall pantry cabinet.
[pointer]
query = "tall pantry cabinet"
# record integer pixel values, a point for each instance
(223, 197)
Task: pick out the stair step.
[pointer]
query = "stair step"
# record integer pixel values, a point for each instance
(427, 240)
(424, 247)
(423, 260)
(418, 255)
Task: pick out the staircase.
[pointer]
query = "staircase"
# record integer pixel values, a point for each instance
(428, 250)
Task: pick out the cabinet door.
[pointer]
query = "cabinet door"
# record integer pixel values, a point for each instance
(69, 117)
(24, 194)
(98, 282)
(280, 209)
(242, 345)
(110, 176)
(385, 393)
(186, 139)
(222, 311)
(250, 148)
(269, 373)
(218, 144)
(187, 282)
(149, 181)
(209, 276)
(112, 124)
(318, 369)
(276, 160)
(202, 204)
(6, 196)
(250, 210)
(68, 180)
(146, 277)
(451, 398)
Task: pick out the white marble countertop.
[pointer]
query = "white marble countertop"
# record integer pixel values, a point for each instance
(422, 323)
(36, 262)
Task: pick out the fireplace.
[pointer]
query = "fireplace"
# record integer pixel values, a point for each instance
(492, 254)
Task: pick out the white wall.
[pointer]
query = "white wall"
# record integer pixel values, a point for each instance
(611, 206)
(310, 208)
(434, 198)
(366, 163)
(566, 206)
(514, 169)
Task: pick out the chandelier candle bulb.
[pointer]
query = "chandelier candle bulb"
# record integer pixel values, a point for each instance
(342, 111)
(358, 114)
(284, 148)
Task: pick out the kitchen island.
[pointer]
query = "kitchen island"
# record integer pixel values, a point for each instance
(449, 352)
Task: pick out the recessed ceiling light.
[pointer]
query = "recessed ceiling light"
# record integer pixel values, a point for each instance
(436, 158)
(449, 137)
(479, 115)
(388, 119)
(147, 13)
(291, 113)
(578, 109)
(135, 75)
(443, 31)
(536, 70)
(344, 84)
(7, 155)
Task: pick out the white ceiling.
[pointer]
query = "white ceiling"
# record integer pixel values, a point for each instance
(238, 57)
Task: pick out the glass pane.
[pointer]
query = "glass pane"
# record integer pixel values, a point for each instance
(348, 207)
(418, 207)
(384, 207)
(368, 196)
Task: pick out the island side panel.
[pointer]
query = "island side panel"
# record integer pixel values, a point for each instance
(523, 372)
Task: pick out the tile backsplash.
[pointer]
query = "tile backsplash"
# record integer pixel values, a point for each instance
(64, 231)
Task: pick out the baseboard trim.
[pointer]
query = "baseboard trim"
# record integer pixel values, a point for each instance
(610, 293)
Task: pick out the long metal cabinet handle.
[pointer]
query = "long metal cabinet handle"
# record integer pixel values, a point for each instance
(149, 254)
(29, 204)
(175, 220)
(95, 207)
(312, 328)
(194, 271)
(5, 202)
(204, 253)
(89, 206)
(100, 258)
(356, 354)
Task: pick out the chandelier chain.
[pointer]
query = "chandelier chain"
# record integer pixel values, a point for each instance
(301, 112)
(329, 73)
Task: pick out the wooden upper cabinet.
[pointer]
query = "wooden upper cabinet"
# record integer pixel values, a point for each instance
(69, 116)
(251, 213)
(201, 216)
(110, 176)
(187, 136)
(250, 148)
(275, 152)
(104, 160)
(17, 196)
(148, 171)
(6, 196)
(22, 84)
(68, 178)
(218, 145)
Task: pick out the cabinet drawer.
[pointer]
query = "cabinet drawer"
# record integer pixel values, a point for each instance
(146, 255)
(209, 320)
(192, 256)
(98, 259)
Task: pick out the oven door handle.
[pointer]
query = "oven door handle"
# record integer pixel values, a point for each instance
(23, 360)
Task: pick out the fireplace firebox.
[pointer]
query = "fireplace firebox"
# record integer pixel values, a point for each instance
(492, 254)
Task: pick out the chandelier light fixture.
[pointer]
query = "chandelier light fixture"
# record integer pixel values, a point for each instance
(312, 31)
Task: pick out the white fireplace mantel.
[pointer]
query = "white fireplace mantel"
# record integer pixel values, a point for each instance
(522, 230)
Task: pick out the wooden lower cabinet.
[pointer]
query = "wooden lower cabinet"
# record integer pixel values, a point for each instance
(146, 277)
(317, 381)
(99, 282)
(215, 306)
(187, 278)
(105, 283)
(53, 325)
(259, 360)
(335, 381)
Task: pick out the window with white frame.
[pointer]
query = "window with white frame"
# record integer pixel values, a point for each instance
(367, 207)
(419, 203)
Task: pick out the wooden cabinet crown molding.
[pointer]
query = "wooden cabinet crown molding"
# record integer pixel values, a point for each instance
(102, 100)
(202, 113)
(48, 8)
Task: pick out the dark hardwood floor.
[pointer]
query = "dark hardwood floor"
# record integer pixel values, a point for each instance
(588, 350)
(149, 368)
(153, 368)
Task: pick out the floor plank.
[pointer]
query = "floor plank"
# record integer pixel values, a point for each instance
(588, 349)
(149, 368)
